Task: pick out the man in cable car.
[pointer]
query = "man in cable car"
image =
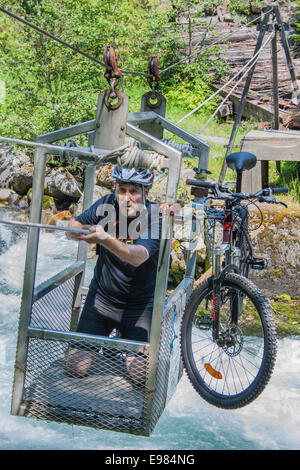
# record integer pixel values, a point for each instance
(125, 226)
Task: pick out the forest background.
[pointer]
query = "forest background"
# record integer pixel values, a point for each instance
(45, 86)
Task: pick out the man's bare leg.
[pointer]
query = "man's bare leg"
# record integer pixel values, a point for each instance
(136, 368)
(79, 362)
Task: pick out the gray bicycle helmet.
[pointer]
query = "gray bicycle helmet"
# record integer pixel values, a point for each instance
(131, 175)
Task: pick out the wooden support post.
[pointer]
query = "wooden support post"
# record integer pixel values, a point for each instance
(287, 54)
(245, 93)
(275, 123)
(278, 26)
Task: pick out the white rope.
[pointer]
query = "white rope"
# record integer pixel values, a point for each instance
(134, 157)
(227, 83)
(235, 86)
(131, 156)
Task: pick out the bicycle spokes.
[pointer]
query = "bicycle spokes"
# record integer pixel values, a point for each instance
(224, 298)
(222, 348)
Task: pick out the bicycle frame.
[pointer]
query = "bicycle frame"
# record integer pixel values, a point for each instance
(235, 252)
(226, 257)
(230, 249)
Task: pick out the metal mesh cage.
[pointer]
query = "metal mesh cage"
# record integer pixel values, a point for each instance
(106, 397)
(54, 309)
(96, 381)
(128, 383)
(91, 380)
(169, 368)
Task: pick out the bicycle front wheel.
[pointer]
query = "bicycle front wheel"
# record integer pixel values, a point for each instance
(232, 371)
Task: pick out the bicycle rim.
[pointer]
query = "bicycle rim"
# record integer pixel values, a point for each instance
(232, 372)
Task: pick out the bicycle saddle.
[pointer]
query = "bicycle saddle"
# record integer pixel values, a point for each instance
(240, 161)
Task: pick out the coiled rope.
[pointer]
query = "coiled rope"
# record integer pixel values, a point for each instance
(131, 156)
(186, 149)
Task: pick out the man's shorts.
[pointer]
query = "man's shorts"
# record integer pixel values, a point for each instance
(97, 318)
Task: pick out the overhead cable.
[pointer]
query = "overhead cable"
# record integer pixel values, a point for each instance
(78, 51)
(93, 59)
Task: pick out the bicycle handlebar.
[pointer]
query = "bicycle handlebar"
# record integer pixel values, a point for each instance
(206, 184)
(280, 190)
(264, 195)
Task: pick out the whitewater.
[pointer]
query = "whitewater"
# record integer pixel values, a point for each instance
(271, 422)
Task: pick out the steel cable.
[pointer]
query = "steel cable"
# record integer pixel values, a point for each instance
(78, 51)
(93, 59)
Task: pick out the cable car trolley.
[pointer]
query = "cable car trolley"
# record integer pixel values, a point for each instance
(106, 398)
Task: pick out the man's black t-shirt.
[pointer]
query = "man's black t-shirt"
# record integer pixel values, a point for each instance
(117, 282)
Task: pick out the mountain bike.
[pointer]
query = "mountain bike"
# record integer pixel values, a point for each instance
(228, 335)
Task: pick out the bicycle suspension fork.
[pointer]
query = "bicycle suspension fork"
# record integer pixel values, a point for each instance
(216, 295)
(232, 262)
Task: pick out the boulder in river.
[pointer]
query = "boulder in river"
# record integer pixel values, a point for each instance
(16, 170)
(59, 184)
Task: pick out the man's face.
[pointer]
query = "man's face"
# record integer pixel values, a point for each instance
(130, 199)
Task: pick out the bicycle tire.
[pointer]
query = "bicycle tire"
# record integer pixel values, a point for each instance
(232, 375)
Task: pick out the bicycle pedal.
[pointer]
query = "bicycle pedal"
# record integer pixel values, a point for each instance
(257, 263)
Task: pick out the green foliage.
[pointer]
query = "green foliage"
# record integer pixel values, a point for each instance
(290, 178)
(190, 94)
(49, 86)
(297, 15)
(234, 6)
(240, 6)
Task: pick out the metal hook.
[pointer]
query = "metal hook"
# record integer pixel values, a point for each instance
(112, 74)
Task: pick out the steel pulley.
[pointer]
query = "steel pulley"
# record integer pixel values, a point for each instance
(153, 98)
(112, 74)
(153, 70)
(153, 101)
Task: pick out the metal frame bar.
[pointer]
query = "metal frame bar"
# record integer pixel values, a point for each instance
(110, 343)
(287, 53)
(184, 287)
(81, 152)
(148, 116)
(164, 253)
(29, 279)
(56, 280)
(67, 132)
(32, 251)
